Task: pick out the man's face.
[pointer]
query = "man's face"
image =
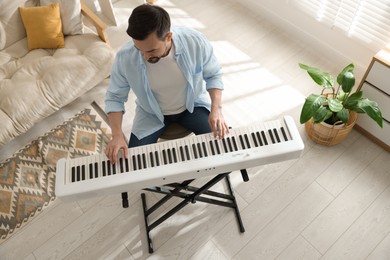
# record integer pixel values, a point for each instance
(153, 48)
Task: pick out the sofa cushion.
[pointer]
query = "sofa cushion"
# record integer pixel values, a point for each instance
(4, 58)
(7, 128)
(11, 26)
(43, 26)
(71, 17)
(51, 77)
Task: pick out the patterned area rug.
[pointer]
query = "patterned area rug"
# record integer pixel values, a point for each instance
(27, 179)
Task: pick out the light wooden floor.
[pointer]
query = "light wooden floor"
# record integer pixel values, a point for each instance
(332, 203)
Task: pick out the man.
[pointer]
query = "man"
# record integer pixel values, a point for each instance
(174, 75)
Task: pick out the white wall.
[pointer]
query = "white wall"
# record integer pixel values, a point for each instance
(330, 42)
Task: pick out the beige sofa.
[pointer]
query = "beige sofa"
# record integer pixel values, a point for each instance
(36, 83)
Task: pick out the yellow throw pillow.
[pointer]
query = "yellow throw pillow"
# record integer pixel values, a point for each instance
(43, 26)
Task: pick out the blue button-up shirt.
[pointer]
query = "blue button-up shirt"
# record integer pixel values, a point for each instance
(195, 58)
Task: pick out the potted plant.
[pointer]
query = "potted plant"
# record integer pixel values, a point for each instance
(331, 115)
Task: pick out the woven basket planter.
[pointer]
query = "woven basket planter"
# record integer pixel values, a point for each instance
(330, 134)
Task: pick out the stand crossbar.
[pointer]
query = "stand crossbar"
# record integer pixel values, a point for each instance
(183, 190)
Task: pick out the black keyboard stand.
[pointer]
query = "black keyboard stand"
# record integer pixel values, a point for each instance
(188, 194)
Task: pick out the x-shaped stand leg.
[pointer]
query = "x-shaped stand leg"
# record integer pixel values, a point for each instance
(176, 190)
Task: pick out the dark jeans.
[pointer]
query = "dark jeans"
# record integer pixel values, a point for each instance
(196, 122)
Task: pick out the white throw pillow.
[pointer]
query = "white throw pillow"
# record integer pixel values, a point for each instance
(11, 26)
(71, 17)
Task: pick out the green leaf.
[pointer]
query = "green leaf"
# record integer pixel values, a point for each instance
(321, 115)
(334, 105)
(324, 79)
(341, 95)
(348, 82)
(343, 115)
(352, 100)
(312, 103)
(348, 68)
(371, 109)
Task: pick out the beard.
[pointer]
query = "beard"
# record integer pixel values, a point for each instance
(154, 59)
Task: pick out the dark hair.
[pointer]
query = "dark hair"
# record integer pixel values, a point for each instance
(146, 19)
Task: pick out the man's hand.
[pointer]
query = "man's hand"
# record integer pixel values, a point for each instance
(113, 148)
(217, 122)
(118, 141)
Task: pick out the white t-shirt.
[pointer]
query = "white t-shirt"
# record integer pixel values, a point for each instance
(168, 84)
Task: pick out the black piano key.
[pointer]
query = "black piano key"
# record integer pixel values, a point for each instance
(248, 144)
(259, 138)
(127, 165)
(204, 149)
(139, 162)
(104, 171)
(78, 173)
(182, 156)
(174, 155)
(229, 144)
(165, 158)
(151, 159)
(73, 174)
(90, 171)
(114, 168)
(276, 135)
(114, 171)
(199, 150)
(212, 147)
(241, 142)
(234, 143)
(169, 152)
(264, 137)
(83, 172)
(121, 168)
(217, 146)
(271, 135)
(194, 150)
(111, 168)
(108, 168)
(157, 159)
(134, 162)
(187, 152)
(254, 139)
(96, 170)
(144, 162)
(224, 145)
(284, 134)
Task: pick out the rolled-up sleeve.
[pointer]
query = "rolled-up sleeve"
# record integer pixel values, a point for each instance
(211, 68)
(118, 90)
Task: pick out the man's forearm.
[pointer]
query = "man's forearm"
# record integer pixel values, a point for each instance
(216, 98)
(115, 120)
(216, 120)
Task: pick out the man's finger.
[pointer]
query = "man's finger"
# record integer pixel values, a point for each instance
(126, 152)
(112, 157)
(217, 130)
